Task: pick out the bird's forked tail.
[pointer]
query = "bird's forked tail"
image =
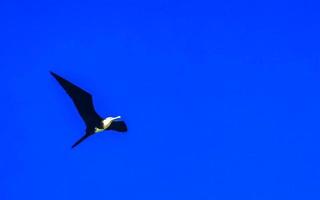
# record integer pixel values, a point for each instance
(80, 140)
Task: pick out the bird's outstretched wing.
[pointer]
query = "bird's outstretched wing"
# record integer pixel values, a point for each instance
(82, 101)
(118, 126)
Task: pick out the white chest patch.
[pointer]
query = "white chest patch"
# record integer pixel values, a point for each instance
(106, 123)
(97, 130)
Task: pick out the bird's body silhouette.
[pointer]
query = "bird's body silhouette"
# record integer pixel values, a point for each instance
(83, 102)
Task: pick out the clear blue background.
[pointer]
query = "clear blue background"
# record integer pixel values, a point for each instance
(222, 99)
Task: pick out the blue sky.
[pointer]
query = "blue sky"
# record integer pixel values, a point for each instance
(222, 99)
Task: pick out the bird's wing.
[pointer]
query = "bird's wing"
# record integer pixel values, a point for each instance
(118, 126)
(82, 101)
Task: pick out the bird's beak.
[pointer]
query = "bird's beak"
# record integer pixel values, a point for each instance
(116, 117)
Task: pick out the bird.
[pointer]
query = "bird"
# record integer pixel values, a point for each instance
(84, 104)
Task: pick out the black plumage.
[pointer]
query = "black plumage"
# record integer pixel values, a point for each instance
(84, 104)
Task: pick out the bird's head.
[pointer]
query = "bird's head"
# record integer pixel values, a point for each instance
(107, 121)
(114, 118)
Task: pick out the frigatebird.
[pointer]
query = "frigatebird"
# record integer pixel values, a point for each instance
(83, 102)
